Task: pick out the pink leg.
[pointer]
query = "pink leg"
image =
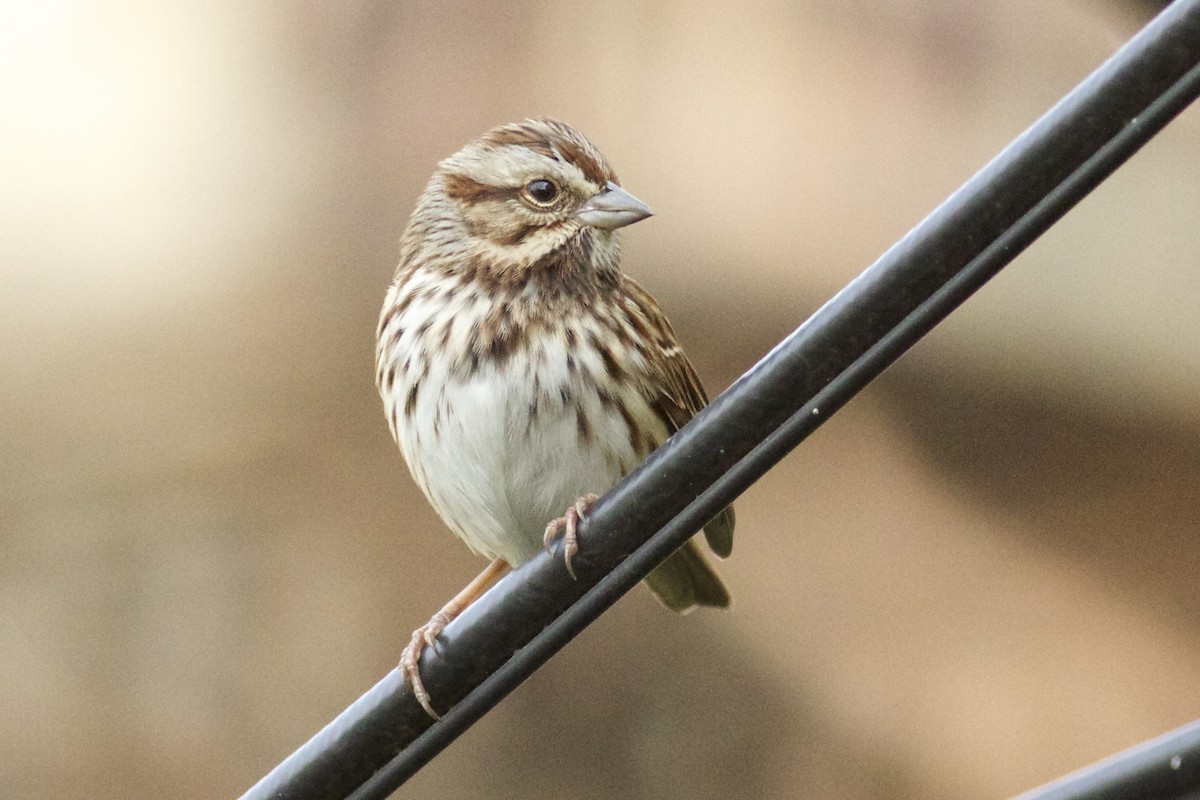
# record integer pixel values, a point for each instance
(427, 634)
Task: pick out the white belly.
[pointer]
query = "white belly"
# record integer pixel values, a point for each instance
(502, 453)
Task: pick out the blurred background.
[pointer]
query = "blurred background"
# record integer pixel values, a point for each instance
(977, 577)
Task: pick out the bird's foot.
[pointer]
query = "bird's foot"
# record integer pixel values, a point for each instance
(427, 634)
(566, 526)
(410, 658)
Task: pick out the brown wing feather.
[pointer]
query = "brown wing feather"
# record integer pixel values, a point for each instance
(680, 396)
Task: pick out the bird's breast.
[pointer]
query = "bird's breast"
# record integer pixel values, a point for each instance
(503, 439)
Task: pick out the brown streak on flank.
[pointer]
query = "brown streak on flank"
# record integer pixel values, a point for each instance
(410, 403)
(444, 291)
(615, 370)
(407, 299)
(630, 424)
(393, 311)
(582, 426)
(533, 403)
(605, 397)
(396, 310)
(394, 337)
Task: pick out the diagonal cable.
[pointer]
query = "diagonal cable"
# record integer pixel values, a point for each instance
(385, 736)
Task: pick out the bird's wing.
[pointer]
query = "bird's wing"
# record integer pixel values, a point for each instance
(679, 396)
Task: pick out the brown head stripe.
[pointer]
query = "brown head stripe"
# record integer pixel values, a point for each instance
(568, 143)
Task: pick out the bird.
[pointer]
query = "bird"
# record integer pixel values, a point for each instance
(521, 371)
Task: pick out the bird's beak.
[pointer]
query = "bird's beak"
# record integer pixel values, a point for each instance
(612, 208)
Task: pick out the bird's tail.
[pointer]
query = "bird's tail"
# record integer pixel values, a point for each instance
(688, 579)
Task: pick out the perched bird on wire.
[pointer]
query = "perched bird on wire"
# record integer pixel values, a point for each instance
(522, 373)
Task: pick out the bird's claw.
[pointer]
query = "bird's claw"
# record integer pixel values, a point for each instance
(566, 526)
(410, 659)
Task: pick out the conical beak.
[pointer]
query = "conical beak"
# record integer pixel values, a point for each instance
(612, 208)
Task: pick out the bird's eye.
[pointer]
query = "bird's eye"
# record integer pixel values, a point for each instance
(541, 191)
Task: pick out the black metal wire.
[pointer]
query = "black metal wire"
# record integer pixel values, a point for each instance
(1166, 767)
(385, 737)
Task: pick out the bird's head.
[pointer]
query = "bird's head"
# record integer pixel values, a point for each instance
(534, 196)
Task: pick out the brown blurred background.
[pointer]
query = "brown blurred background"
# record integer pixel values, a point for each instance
(979, 576)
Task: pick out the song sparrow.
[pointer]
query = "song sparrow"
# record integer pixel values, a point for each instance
(520, 370)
